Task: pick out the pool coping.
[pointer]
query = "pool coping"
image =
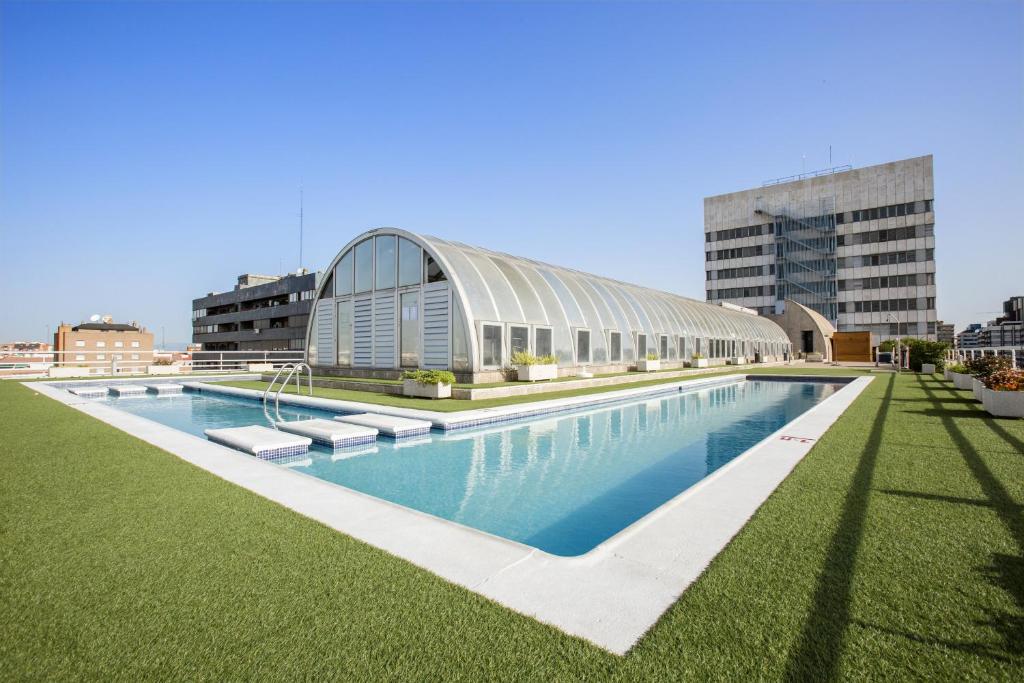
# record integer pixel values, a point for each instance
(610, 596)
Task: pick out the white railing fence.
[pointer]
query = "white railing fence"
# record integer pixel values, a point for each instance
(1014, 353)
(117, 361)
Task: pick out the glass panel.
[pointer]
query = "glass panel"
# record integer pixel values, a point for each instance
(460, 346)
(364, 266)
(518, 339)
(431, 271)
(664, 347)
(410, 338)
(490, 352)
(345, 333)
(641, 346)
(410, 263)
(542, 341)
(582, 346)
(615, 344)
(385, 261)
(343, 275)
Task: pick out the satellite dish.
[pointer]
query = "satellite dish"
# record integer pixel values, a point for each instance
(94, 317)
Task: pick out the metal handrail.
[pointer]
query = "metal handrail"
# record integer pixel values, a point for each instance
(292, 368)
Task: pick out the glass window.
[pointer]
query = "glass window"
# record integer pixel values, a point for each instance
(386, 262)
(615, 347)
(410, 263)
(118, 344)
(582, 346)
(410, 336)
(431, 270)
(491, 348)
(344, 320)
(664, 347)
(79, 342)
(641, 346)
(135, 344)
(518, 339)
(460, 346)
(342, 277)
(542, 341)
(79, 356)
(100, 344)
(364, 266)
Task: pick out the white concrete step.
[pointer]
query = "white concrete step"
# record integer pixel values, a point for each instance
(128, 390)
(90, 392)
(388, 425)
(165, 388)
(263, 442)
(330, 433)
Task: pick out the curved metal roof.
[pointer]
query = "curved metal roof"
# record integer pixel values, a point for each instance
(501, 288)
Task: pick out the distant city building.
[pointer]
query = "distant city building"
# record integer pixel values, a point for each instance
(1006, 331)
(23, 348)
(945, 332)
(855, 245)
(103, 342)
(262, 313)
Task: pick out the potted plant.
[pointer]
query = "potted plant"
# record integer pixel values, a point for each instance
(1003, 393)
(959, 375)
(649, 364)
(699, 361)
(427, 383)
(982, 368)
(530, 368)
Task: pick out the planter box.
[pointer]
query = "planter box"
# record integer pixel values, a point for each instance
(814, 358)
(738, 360)
(927, 368)
(947, 375)
(260, 367)
(644, 365)
(534, 373)
(67, 372)
(1003, 403)
(163, 369)
(411, 387)
(977, 386)
(961, 380)
(699, 363)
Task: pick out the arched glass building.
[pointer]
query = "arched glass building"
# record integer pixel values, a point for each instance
(393, 299)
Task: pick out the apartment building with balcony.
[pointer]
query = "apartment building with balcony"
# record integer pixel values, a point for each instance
(261, 313)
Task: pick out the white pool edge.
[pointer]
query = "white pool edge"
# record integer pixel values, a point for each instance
(610, 596)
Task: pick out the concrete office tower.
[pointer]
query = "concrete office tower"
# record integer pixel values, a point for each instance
(856, 245)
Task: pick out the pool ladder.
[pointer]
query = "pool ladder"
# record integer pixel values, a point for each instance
(293, 369)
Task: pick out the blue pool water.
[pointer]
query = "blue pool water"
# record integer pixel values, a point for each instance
(562, 484)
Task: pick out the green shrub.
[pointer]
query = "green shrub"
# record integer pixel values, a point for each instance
(652, 356)
(524, 358)
(429, 376)
(984, 367)
(698, 356)
(959, 368)
(921, 351)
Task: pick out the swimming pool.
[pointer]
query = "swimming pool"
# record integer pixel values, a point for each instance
(562, 484)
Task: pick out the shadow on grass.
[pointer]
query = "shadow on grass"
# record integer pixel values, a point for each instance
(971, 648)
(1006, 572)
(937, 498)
(819, 646)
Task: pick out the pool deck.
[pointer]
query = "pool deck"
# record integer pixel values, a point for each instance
(610, 596)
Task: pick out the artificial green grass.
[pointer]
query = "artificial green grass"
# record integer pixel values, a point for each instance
(895, 550)
(451, 405)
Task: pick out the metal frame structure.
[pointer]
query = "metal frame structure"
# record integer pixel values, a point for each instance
(480, 290)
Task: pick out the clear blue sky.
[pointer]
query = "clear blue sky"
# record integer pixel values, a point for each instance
(149, 153)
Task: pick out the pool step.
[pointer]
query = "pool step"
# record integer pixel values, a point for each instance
(263, 442)
(164, 388)
(388, 425)
(90, 392)
(125, 390)
(330, 433)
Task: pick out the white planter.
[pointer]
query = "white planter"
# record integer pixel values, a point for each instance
(699, 363)
(534, 373)
(927, 368)
(814, 358)
(67, 372)
(947, 375)
(644, 365)
(163, 369)
(738, 360)
(260, 367)
(961, 380)
(977, 386)
(1003, 403)
(411, 387)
